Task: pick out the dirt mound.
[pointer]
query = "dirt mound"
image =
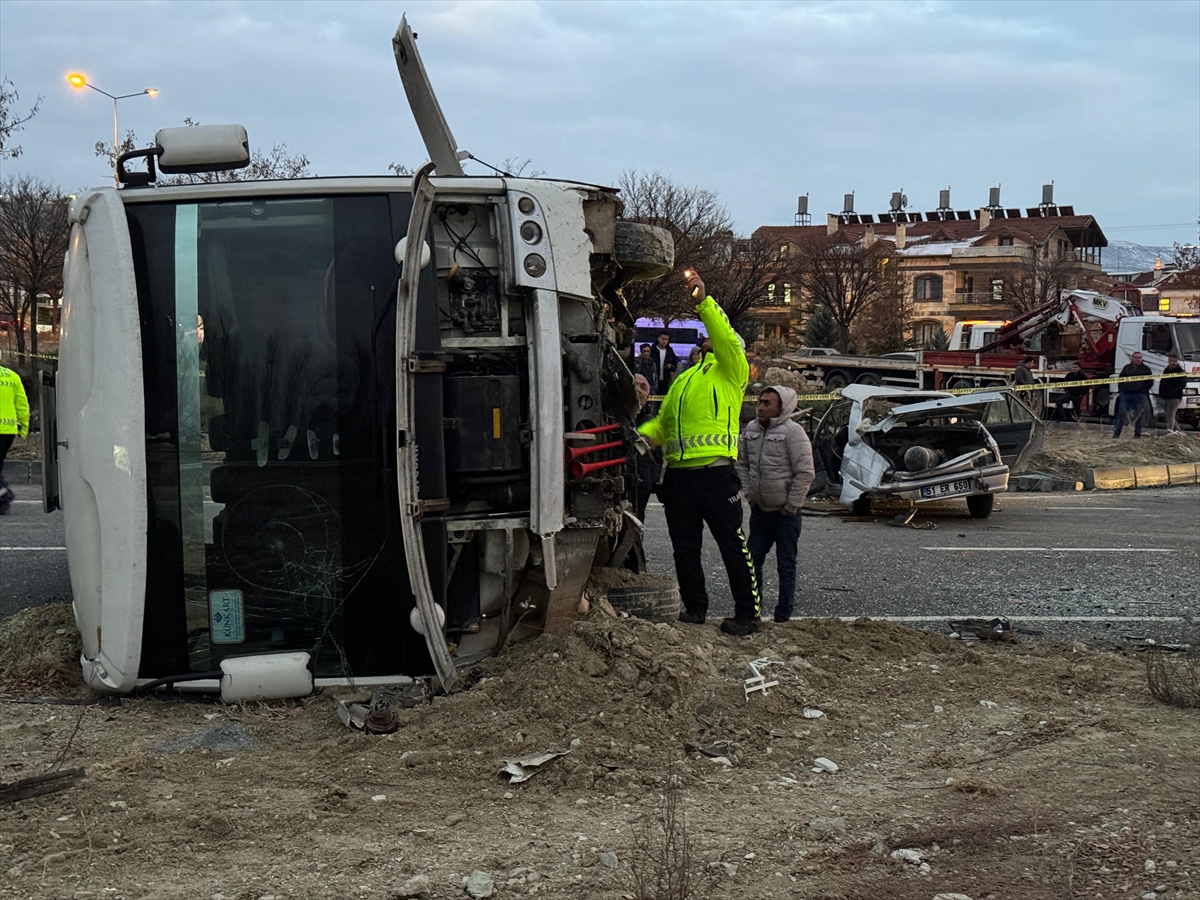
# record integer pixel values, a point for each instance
(1004, 770)
(1070, 453)
(39, 652)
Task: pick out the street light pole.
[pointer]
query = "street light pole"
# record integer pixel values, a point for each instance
(79, 81)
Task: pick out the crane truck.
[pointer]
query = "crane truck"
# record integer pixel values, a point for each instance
(1096, 330)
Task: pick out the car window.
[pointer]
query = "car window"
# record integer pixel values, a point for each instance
(836, 419)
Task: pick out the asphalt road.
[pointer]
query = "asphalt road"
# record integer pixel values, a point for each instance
(1102, 567)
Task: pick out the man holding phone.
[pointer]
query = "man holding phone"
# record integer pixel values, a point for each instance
(697, 426)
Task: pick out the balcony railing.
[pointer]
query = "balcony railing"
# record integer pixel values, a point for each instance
(1011, 252)
(976, 298)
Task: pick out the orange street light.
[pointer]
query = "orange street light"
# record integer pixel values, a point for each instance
(79, 81)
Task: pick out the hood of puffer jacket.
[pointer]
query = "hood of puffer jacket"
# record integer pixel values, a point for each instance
(788, 397)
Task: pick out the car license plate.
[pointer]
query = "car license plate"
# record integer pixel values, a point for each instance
(948, 489)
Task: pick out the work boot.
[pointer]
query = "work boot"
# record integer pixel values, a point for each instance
(739, 627)
(783, 615)
(691, 618)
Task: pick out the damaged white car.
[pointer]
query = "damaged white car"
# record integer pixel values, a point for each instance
(878, 442)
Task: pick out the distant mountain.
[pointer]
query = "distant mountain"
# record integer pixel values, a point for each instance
(1124, 256)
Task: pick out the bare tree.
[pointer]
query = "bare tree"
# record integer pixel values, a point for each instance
(698, 222)
(739, 275)
(849, 279)
(1186, 261)
(1036, 278)
(886, 324)
(521, 168)
(33, 243)
(11, 121)
(400, 170)
(274, 164)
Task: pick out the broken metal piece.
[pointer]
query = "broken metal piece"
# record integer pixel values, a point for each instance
(525, 767)
(381, 714)
(757, 681)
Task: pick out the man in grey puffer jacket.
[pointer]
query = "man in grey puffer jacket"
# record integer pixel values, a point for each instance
(775, 465)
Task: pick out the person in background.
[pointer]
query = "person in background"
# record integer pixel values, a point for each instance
(1072, 394)
(14, 423)
(644, 366)
(665, 363)
(1170, 391)
(697, 426)
(1023, 374)
(775, 465)
(1133, 397)
(693, 355)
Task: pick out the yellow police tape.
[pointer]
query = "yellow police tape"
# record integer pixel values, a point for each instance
(1041, 386)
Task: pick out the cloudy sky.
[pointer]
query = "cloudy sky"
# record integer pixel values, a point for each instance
(758, 101)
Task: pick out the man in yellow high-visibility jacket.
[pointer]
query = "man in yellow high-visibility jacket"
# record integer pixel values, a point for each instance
(14, 420)
(697, 427)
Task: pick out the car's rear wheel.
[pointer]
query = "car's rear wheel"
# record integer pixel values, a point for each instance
(861, 507)
(980, 505)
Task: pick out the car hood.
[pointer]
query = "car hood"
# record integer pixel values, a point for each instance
(965, 404)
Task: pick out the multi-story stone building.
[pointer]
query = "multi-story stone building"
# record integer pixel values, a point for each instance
(989, 263)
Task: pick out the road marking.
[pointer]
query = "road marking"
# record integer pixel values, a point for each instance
(1098, 508)
(1020, 618)
(33, 548)
(1060, 549)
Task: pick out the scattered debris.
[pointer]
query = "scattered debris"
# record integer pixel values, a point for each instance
(231, 736)
(997, 629)
(525, 767)
(909, 856)
(812, 713)
(37, 785)
(381, 714)
(821, 764)
(479, 884)
(757, 681)
(416, 888)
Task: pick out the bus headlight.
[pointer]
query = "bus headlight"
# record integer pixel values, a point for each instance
(535, 265)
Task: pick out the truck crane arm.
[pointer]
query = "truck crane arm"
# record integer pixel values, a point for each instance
(1078, 306)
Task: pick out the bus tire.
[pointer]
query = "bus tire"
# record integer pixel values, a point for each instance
(643, 251)
(652, 602)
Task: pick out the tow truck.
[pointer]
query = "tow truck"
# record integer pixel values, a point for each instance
(1098, 331)
(339, 430)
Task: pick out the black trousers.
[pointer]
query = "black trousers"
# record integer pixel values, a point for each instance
(692, 498)
(6, 441)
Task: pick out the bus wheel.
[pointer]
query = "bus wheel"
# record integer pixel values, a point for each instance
(643, 251)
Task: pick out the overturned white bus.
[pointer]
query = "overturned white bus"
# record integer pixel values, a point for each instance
(296, 447)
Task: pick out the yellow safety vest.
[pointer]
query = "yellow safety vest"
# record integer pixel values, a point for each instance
(14, 405)
(698, 420)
